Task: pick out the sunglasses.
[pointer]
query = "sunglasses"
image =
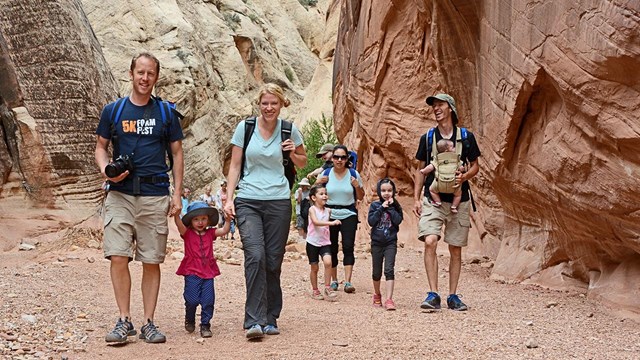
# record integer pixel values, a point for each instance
(340, 157)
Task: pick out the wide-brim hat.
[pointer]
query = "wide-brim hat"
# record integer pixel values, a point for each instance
(304, 182)
(198, 208)
(444, 97)
(324, 149)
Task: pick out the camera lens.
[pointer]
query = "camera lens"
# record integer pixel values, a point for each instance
(114, 169)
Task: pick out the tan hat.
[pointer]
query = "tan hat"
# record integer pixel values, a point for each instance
(324, 149)
(304, 182)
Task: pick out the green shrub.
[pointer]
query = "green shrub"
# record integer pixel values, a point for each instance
(289, 73)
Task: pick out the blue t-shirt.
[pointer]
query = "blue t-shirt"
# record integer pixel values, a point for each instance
(340, 193)
(263, 172)
(140, 134)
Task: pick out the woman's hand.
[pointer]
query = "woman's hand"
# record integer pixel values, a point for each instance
(229, 210)
(288, 145)
(354, 182)
(322, 180)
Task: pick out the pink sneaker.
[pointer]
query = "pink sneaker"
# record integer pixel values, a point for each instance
(377, 300)
(389, 304)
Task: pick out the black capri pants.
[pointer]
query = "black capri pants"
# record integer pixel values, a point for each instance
(348, 229)
(388, 254)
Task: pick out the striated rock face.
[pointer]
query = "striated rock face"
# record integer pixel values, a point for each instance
(214, 56)
(54, 83)
(551, 89)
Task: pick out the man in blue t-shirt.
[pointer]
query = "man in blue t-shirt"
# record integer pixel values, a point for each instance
(138, 200)
(434, 215)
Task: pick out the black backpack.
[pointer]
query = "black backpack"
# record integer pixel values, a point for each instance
(289, 167)
(305, 205)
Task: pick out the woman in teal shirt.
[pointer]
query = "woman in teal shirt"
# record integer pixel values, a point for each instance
(341, 183)
(262, 208)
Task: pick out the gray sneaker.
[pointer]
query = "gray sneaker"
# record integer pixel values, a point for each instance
(255, 332)
(150, 333)
(120, 332)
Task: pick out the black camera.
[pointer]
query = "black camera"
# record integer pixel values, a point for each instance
(119, 165)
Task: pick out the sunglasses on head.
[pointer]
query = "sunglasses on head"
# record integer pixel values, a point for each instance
(340, 157)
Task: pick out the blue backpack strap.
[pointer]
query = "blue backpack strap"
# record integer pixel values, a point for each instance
(326, 171)
(116, 112)
(429, 143)
(166, 115)
(249, 127)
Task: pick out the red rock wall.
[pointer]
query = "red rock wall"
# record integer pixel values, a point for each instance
(551, 89)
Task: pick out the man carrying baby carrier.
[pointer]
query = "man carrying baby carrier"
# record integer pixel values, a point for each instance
(434, 214)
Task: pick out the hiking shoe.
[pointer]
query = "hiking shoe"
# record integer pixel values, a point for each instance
(150, 333)
(348, 288)
(205, 330)
(316, 295)
(120, 332)
(454, 303)
(377, 300)
(271, 330)
(329, 294)
(432, 301)
(389, 305)
(190, 326)
(334, 285)
(254, 332)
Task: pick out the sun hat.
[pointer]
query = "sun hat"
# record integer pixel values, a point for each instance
(304, 182)
(198, 208)
(324, 149)
(444, 97)
(223, 182)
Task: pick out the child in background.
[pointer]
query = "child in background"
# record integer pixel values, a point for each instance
(385, 216)
(318, 241)
(444, 145)
(199, 266)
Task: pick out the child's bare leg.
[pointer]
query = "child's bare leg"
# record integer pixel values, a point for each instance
(313, 276)
(389, 285)
(457, 196)
(326, 260)
(435, 196)
(376, 287)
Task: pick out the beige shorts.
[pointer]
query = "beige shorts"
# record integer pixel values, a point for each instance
(456, 226)
(136, 221)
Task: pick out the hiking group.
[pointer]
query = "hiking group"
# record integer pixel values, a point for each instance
(144, 132)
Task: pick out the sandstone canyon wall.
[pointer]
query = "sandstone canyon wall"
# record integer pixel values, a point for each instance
(551, 89)
(53, 83)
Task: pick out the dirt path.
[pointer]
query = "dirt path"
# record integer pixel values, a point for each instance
(62, 309)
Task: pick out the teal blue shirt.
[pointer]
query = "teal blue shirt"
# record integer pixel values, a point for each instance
(340, 192)
(263, 172)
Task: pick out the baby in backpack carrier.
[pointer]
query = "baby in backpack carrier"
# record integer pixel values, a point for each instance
(444, 146)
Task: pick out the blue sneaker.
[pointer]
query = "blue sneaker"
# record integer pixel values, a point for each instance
(255, 332)
(432, 301)
(454, 303)
(271, 330)
(334, 285)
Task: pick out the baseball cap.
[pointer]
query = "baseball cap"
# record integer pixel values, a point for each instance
(444, 97)
(324, 149)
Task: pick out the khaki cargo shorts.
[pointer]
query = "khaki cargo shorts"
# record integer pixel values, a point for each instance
(456, 226)
(136, 222)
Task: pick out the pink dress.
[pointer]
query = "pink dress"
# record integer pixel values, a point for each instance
(198, 255)
(318, 235)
